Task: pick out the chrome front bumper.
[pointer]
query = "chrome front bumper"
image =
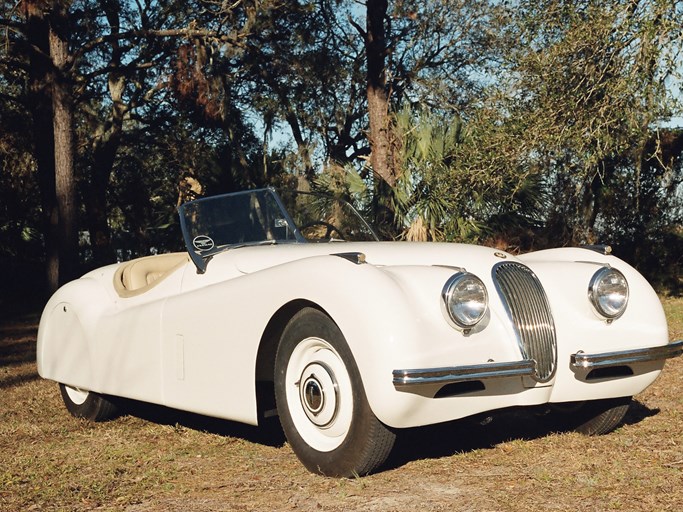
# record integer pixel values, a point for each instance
(405, 380)
(427, 377)
(626, 357)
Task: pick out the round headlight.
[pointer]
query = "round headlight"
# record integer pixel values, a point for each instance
(608, 293)
(465, 300)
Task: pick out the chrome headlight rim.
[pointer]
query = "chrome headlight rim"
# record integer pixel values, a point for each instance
(448, 295)
(595, 297)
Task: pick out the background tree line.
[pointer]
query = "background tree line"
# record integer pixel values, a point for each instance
(521, 124)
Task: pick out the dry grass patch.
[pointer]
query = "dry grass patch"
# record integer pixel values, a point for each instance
(162, 460)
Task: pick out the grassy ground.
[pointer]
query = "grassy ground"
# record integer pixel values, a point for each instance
(161, 460)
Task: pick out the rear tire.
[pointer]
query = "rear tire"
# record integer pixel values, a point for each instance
(87, 404)
(321, 400)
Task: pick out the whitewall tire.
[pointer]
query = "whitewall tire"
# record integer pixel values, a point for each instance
(321, 401)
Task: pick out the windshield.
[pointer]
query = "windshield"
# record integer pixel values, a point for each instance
(321, 218)
(214, 224)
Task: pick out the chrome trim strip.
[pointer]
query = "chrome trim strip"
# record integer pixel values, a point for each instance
(429, 376)
(625, 357)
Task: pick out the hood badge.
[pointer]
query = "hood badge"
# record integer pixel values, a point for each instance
(501, 255)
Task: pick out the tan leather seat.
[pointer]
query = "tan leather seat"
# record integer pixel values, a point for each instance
(139, 275)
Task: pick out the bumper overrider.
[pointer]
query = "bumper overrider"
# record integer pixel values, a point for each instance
(406, 380)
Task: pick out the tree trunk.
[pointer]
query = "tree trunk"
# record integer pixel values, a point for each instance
(63, 125)
(40, 103)
(382, 157)
(383, 149)
(301, 144)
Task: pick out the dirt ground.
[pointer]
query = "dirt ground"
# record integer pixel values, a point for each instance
(154, 459)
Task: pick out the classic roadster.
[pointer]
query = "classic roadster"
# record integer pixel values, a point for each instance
(287, 304)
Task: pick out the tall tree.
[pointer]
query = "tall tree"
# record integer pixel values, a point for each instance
(33, 52)
(63, 125)
(382, 133)
(49, 99)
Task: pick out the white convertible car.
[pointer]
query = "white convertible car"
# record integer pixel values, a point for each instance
(349, 339)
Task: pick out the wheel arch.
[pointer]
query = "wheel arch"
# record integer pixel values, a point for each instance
(265, 357)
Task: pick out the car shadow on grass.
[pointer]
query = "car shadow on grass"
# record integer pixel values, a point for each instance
(268, 432)
(638, 412)
(484, 431)
(430, 442)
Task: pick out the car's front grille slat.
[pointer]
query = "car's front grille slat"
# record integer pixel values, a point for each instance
(529, 311)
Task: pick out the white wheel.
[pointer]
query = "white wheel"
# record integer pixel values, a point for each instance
(321, 401)
(76, 395)
(87, 404)
(320, 395)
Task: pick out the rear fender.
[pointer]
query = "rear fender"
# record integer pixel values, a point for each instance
(64, 352)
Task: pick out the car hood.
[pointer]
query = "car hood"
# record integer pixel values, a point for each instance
(253, 259)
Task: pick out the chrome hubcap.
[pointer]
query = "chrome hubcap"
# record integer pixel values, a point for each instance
(318, 393)
(313, 395)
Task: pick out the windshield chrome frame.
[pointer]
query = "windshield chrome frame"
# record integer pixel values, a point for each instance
(200, 261)
(295, 229)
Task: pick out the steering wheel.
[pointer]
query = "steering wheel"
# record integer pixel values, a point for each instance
(330, 228)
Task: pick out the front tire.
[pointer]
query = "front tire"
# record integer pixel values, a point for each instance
(87, 404)
(591, 418)
(321, 400)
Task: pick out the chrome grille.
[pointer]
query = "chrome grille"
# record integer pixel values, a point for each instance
(529, 311)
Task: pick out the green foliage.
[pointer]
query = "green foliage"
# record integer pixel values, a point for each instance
(422, 199)
(588, 85)
(523, 125)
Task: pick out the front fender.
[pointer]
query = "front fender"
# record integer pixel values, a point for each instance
(391, 318)
(565, 275)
